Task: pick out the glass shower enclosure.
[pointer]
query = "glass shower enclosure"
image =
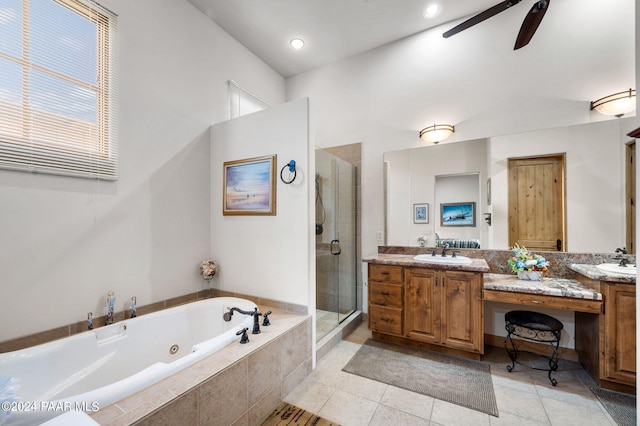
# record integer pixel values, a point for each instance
(335, 230)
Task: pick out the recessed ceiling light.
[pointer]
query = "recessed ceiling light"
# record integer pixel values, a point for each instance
(297, 43)
(432, 10)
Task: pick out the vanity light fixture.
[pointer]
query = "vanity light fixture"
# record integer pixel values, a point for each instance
(617, 104)
(297, 43)
(436, 133)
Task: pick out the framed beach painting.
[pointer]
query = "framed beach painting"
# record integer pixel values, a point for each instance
(421, 213)
(458, 214)
(249, 186)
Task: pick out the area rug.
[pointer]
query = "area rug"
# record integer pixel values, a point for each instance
(288, 414)
(448, 378)
(620, 406)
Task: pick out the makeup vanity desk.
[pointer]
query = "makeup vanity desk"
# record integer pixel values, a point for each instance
(557, 293)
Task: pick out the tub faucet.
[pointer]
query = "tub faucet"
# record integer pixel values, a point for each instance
(244, 339)
(266, 321)
(255, 314)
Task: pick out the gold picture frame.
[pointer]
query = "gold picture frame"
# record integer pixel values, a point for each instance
(249, 187)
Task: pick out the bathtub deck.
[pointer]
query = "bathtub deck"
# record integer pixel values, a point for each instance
(264, 370)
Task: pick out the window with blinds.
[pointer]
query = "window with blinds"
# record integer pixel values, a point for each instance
(58, 83)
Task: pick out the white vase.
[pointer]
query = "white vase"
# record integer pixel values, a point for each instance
(530, 275)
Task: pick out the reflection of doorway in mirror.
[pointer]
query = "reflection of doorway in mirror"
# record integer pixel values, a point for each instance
(630, 173)
(537, 203)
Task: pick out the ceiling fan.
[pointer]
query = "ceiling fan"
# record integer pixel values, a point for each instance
(527, 30)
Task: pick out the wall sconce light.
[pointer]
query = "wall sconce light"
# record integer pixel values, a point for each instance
(436, 133)
(617, 104)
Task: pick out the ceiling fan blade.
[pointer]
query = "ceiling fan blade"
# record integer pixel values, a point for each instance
(500, 7)
(531, 23)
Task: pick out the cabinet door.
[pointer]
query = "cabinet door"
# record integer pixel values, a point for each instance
(422, 305)
(620, 333)
(462, 312)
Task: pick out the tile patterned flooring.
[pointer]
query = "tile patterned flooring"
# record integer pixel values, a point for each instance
(524, 397)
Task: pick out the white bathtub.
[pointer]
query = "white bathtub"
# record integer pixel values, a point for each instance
(96, 368)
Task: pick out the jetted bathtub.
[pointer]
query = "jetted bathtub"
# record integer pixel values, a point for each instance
(91, 370)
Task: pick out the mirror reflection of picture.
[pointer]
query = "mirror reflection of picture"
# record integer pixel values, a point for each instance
(458, 214)
(421, 213)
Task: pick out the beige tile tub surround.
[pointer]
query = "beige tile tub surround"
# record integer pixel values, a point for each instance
(239, 385)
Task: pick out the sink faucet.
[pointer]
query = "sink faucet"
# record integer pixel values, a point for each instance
(624, 262)
(622, 250)
(255, 314)
(444, 250)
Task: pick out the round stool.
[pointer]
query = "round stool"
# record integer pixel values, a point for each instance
(535, 327)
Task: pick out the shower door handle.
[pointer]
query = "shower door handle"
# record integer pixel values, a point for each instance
(336, 249)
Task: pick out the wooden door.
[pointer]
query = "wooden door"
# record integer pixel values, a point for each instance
(422, 305)
(462, 311)
(630, 170)
(537, 203)
(620, 333)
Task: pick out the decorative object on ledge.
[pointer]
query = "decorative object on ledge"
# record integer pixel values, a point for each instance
(527, 265)
(249, 186)
(422, 240)
(208, 269)
(617, 104)
(436, 133)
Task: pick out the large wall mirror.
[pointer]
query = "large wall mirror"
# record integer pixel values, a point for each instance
(477, 171)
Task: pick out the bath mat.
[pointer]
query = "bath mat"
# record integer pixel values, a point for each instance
(620, 406)
(287, 414)
(448, 378)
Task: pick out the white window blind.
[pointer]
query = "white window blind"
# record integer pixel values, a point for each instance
(58, 81)
(242, 102)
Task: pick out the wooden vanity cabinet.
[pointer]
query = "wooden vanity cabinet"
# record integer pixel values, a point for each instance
(427, 306)
(444, 307)
(606, 343)
(386, 299)
(618, 362)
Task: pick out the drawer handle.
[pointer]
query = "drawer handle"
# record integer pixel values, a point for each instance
(385, 293)
(539, 302)
(384, 273)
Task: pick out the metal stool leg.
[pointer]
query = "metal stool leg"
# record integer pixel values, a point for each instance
(513, 352)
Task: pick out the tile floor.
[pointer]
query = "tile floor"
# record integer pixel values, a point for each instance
(524, 397)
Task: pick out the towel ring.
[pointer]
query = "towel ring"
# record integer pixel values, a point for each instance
(292, 169)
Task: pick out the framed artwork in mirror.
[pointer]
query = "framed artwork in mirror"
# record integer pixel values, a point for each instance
(249, 187)
(458, 214)
(421, 213)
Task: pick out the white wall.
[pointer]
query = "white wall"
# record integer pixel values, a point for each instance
(65, 242)
(266, 256)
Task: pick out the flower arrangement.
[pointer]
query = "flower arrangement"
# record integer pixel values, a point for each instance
(525, 261)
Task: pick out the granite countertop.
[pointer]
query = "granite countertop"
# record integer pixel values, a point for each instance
(476, 265)
(596, 273)
(548, 286)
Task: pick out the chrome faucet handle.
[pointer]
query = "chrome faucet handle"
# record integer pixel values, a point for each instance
(455, 252)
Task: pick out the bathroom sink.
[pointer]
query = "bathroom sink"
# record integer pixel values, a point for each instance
(617, 269)
(458, 260)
